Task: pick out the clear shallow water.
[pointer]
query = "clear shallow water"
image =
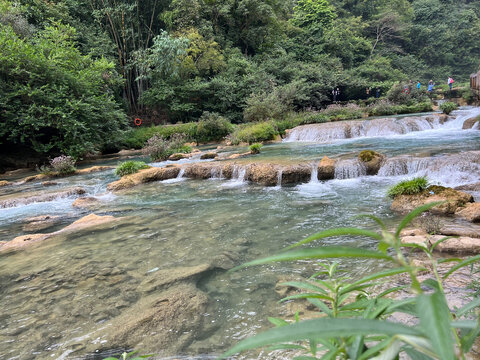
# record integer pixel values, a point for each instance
(60, 297)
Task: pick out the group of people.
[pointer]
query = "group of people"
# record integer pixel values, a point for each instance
(406, 89)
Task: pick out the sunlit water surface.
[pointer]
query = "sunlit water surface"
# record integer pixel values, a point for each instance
(54, 295)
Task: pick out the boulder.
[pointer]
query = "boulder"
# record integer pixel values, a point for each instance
(468, 124)
(4, 183)
(459, 245)
(469, 187)
(295, 174)
(264, 174)
(209, 155)
(93, 169)
(461, 229)
(39, 223)
(85, 202)
(453, 199)
(49, 183)
(144, 176)
(178, 156)
(89, 222)
(326, 168)
(471, 212)
(238, 156)
(372, 160)
(24, 200)
(200, 170)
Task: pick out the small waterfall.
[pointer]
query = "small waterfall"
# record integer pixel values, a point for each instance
(448, 170)
(314, 176)
(180, 173)
(216, 173)
(238, 176)
(349, 169)
(279, 178)
(327, 132)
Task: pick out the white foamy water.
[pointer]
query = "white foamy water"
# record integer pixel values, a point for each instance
(385, 127)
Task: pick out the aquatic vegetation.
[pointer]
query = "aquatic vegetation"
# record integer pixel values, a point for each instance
(130, 167)
(408, 187)
(430, 223)
(255, 148)
(448, 107)
(354, 321)
(385, 107)
(137, 138)
(339, 112)
(63, 165)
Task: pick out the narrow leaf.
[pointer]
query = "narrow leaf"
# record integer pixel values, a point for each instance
(322, 328)
(318, 253)
(464, 263)
(435, 322)
(413, 214)
(337, 232)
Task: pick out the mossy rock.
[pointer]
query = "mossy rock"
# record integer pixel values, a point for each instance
(372, 160)
(367, 155)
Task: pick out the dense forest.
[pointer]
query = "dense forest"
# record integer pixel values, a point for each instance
(73, 73)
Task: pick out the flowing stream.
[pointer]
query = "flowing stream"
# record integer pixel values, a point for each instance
(61, 299)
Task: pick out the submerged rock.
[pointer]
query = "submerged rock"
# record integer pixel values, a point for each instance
(42, 222)
(144, 176)
(453, 199)
(4, 183)
(169, 321)
(41, 198)
(166, 277)
(85, 202)
(49, 183)
(89, 222)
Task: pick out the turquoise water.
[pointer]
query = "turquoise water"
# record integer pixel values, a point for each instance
(60, 298)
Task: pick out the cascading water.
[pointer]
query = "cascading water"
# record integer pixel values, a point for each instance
(314, 176)
(327, 132)
(448, 170)
(216, 173)
(349, 169)
(238, 176)
(279, 179)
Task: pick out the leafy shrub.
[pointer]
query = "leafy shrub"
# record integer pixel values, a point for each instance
(315, 118)
(63, 165)
(430, 223)
(54, 99)
(130, 167)
(255, 148)
(159, 148)
(354, 322)
(212, 127)
(408, 187)
(263, 107)
(385, 107)
(448, 107)
(251, 133)
(137, 138)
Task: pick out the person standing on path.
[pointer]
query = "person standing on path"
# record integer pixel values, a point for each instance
(418, 84)
(450, 82)
(377, 93)
(430, 86)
